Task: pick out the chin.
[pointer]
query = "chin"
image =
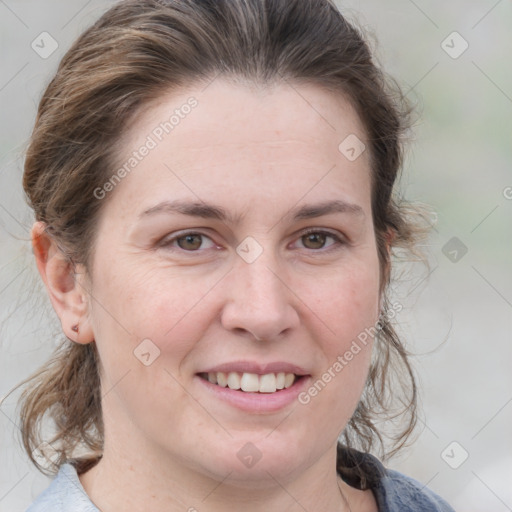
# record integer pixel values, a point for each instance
(255, 461)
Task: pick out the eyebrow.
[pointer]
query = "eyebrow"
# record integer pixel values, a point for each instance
(210, 211)
(326, 208)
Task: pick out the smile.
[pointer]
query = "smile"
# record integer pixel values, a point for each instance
(251, 382)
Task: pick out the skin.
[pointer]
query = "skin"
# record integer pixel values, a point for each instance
(258, 154)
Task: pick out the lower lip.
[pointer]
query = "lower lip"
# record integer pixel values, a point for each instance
(257, 402)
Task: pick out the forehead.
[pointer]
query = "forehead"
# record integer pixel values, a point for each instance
(225, 138)
(266, 113)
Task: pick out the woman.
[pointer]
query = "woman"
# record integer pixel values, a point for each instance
(212, 184)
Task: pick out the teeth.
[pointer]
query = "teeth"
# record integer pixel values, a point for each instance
(268, 383)
(288, 379)
(280, 380)
(251, 382)
(222, 379)
(233, 380)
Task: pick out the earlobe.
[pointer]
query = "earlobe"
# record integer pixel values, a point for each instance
(65, 288)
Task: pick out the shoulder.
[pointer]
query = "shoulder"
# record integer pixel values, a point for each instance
(393, 491)
(65, 494)
(400, 492)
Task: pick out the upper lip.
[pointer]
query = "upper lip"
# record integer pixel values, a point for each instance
(257, 368)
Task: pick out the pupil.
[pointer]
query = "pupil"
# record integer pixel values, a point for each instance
(317, 239)
(190, 242)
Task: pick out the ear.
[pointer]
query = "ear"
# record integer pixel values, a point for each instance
(64, 285)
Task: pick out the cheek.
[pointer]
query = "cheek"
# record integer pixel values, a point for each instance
(150, 302)
(350, 310)
(144, 329)
(347, 302)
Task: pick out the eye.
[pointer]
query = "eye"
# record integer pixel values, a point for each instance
(190, 242)
(316, 240)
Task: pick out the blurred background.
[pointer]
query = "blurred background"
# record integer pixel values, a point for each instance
(451, 60)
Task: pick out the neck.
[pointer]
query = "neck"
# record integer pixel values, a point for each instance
(129, 482)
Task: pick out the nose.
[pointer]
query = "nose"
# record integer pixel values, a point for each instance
(259, 301)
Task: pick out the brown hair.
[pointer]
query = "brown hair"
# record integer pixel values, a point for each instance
(135, 52)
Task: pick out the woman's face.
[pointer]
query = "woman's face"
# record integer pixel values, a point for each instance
(241, 242)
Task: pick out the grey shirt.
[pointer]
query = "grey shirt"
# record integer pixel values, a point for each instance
(393, 491)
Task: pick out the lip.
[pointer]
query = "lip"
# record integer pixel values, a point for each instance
(258, 368)
(256, 403)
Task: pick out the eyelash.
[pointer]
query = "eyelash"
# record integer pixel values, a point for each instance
(338, 241)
